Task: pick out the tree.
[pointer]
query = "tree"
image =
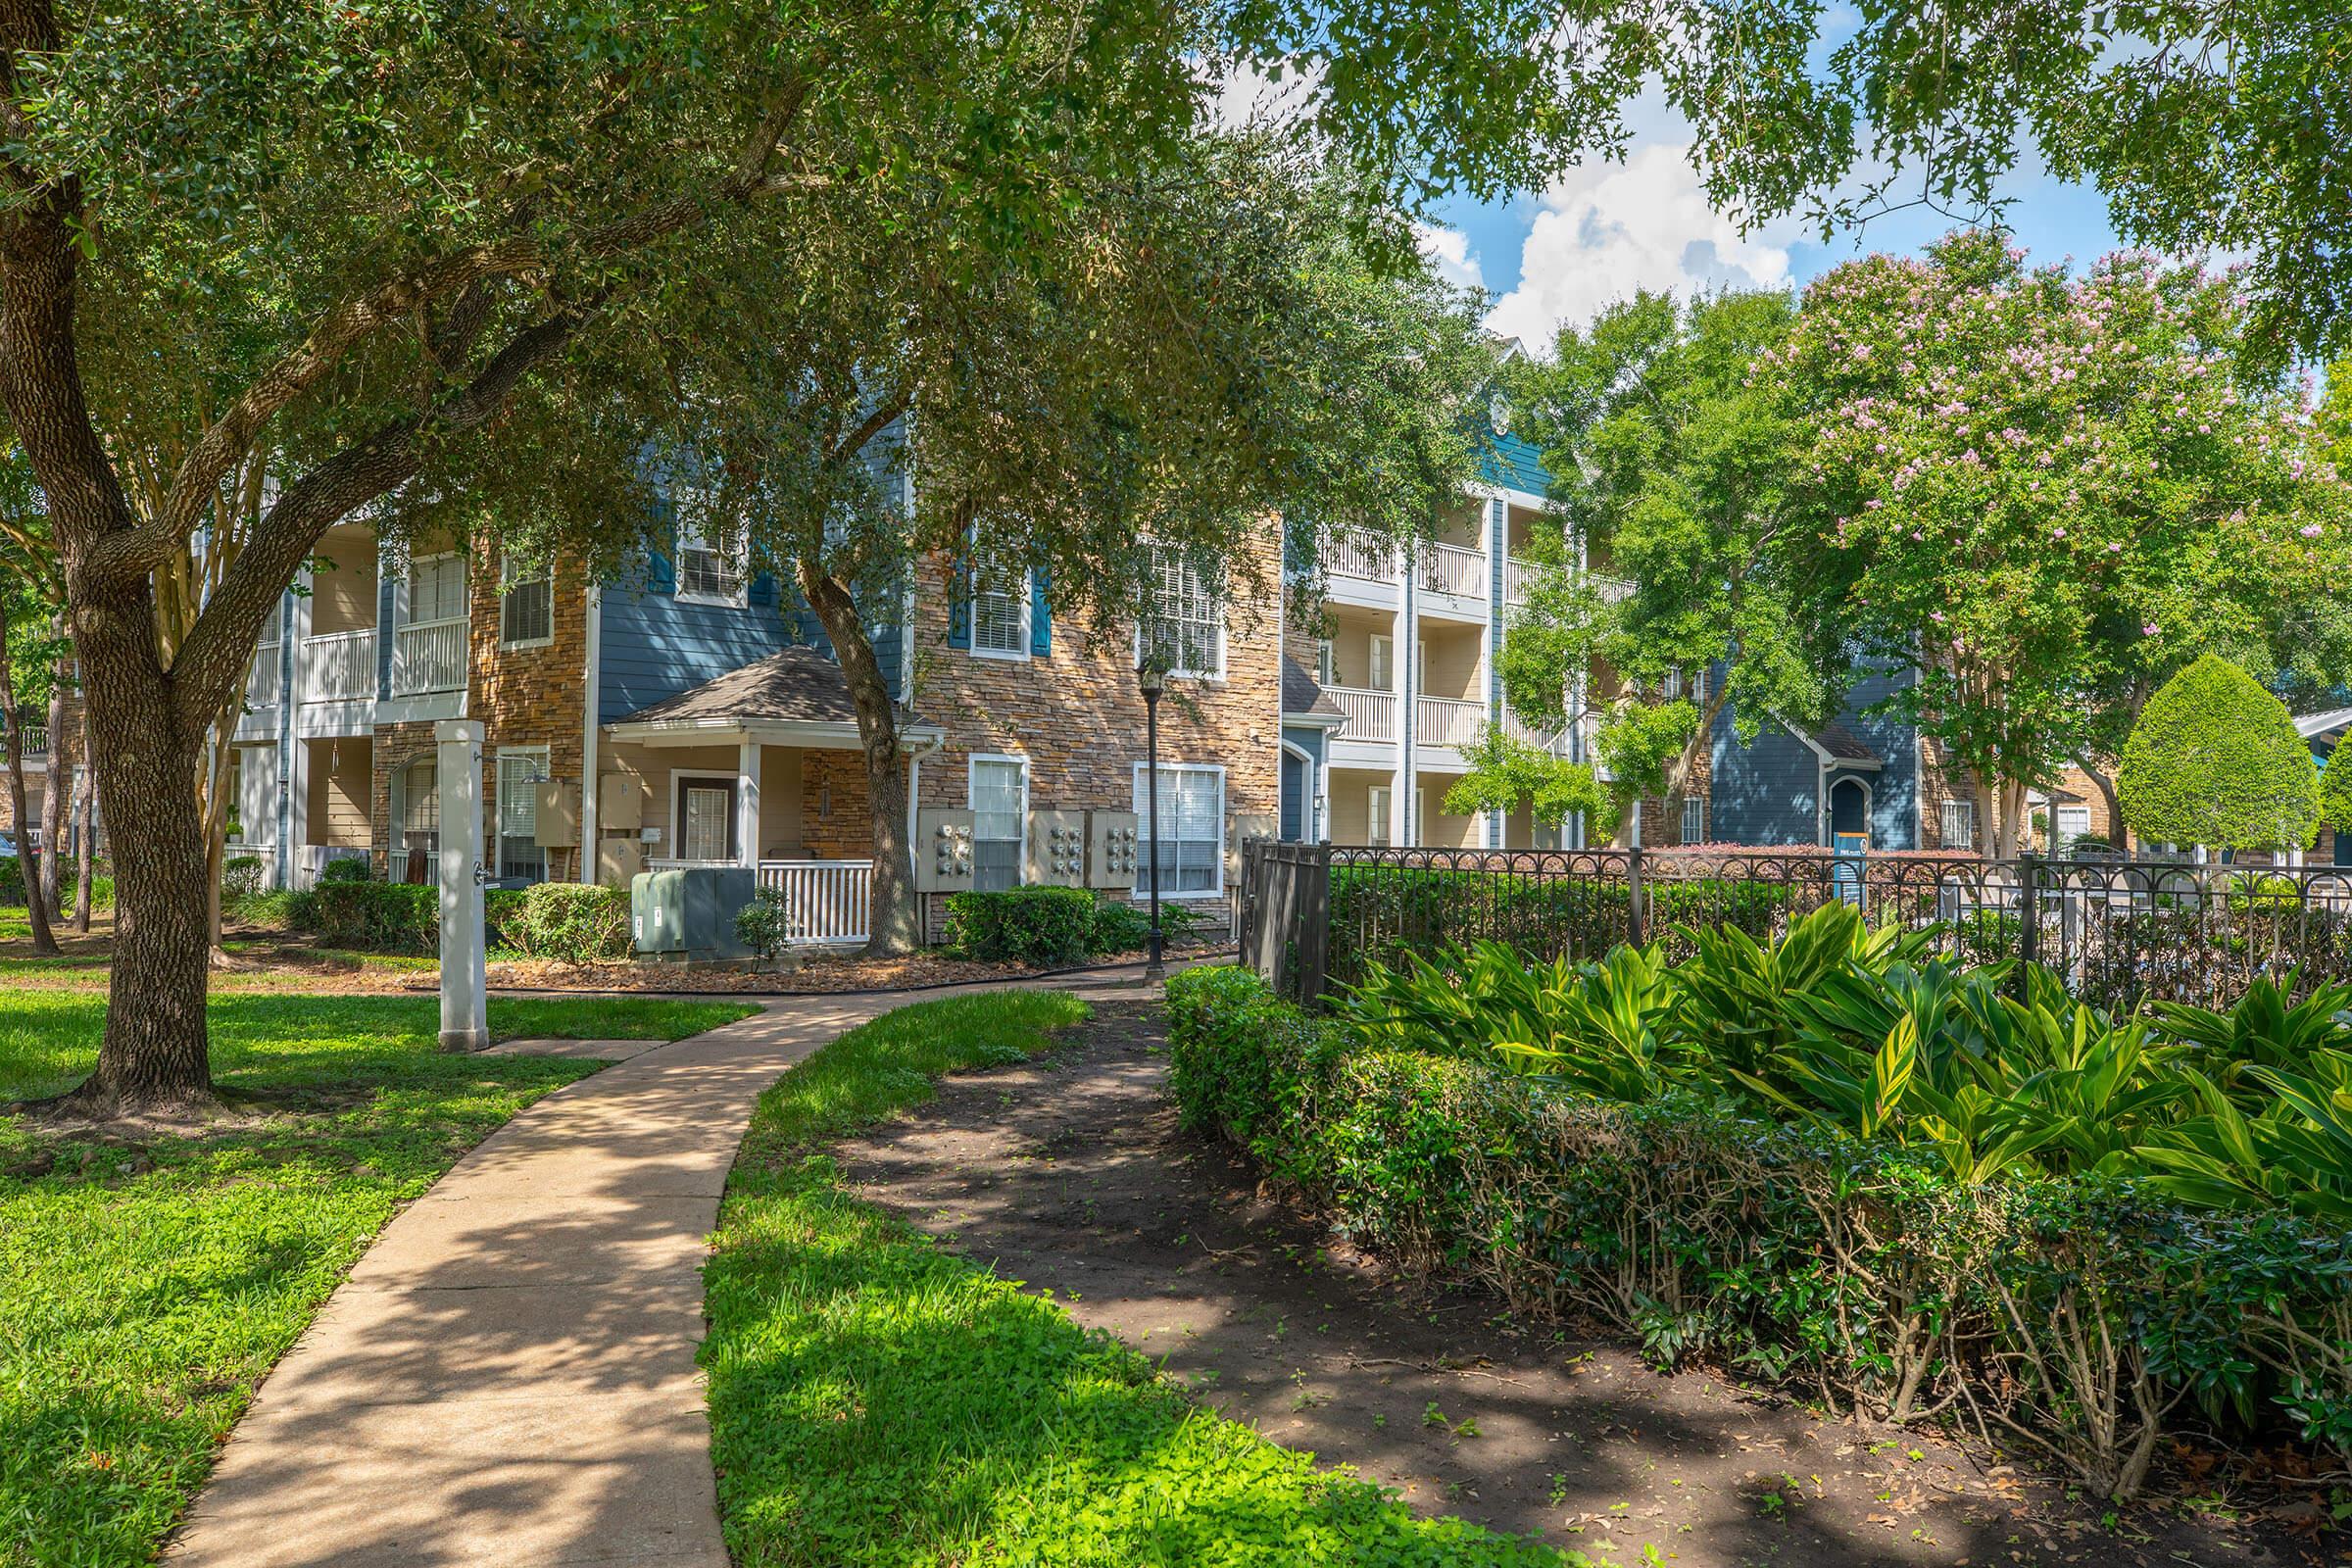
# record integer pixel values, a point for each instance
(2050, 494)
(2336, 794)
(17, 604)
(1671, 467)
(2216, 760)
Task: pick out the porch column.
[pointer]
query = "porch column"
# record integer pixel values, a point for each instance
(746, 803)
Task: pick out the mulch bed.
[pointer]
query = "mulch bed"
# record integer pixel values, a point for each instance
(813, 975)
(1071, 1175)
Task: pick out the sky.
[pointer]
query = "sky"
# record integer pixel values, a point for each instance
(1560, 256)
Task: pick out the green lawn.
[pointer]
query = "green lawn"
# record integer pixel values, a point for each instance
(876, 1400)
(144, 1291)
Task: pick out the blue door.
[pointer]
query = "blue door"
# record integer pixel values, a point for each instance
(1294, 797)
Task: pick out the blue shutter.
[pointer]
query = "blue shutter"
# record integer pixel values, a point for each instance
(660, 575)
(959, 595)
(763, 590)
(1041, 614)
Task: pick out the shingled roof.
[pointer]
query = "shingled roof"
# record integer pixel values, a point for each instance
(1300, 694)
(1844, 745)
(798, 685)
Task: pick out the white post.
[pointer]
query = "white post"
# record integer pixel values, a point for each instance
(464, 1002)
(590, 803)
(747, 804)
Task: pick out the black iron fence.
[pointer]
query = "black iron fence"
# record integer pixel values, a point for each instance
(1313, 916)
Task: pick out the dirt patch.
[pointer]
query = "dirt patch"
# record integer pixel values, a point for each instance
(1071, 1175)
(815, 974)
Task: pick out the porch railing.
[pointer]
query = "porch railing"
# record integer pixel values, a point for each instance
(1371, 716)
(36, 740)
(1516, 575)
(826, 903)
(1452, 569)
(1360, 553)
(339, 666)
(268, 682)
(1446, 721)
(430, 655)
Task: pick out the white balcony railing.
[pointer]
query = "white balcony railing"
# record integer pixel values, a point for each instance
(1516, 575)
(36, 740)
(1554, 741)
(1452, 569)
(268, 682)
(825, 901)
(1361, 552)
(339, 666)
(430, 655)
(1611, 589)
(1371, 716)
(1446, 721)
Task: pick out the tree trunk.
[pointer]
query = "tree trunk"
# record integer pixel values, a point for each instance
(55, 797)
(83, 850)
(44, 940)
(2118, 834)
(897, 924)
(154, 1050)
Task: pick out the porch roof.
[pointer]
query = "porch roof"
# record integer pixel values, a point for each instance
(1304, 701)
(797, 696)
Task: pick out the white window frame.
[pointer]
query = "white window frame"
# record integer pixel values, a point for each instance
(1379, 660)
(1379, 801)
(680, 776)
(1326, 665)
(409, 616)
(735, 563)
(1142, 815)
(1416, 832)
(980, 577)
(971, 777)
(507, 582)
(1943, 823)
(498, 846)
(1217, 605)
(1694, 819)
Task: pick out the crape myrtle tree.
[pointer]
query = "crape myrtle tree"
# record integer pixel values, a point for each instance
(2050, 493)
(392, 215)
(1671, 469)
(2216, 760)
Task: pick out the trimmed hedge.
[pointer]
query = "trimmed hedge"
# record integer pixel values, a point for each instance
(1023, 925)
(2085, 1318)
(560, 920)
(370, 916)
(2216, 759)
(567, 921)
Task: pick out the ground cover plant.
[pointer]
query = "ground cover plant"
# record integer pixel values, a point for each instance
(1906, 1187)
(876, 1398)
(149, 1280)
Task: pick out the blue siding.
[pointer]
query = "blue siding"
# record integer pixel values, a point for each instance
(1299, 781)
(1514, 462)
(654, 647)
(1765, 793)
(1894, 788)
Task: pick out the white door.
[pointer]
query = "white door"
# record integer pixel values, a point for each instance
(1377, 813)
(707, 812)
(1384, 665)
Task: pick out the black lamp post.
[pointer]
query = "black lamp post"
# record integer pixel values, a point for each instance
(1152, 680)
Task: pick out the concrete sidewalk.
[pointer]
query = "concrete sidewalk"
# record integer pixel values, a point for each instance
(509, 1374)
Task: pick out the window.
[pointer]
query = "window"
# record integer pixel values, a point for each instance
(436, 588)
(415, 806)
(1672, 686)
(519, 774)
(1000, 612)
(1694, 819)
(1000, 799)
(710, 572)
(1376, 813)
(526, 603)
(702, 817)
(1384, 665)
(1959, 824)
(1324, 675)
(1192, 828)
(1186, 623)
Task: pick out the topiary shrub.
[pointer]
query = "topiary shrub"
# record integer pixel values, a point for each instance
(568, 922)
(1023, 925)
(2215, 760)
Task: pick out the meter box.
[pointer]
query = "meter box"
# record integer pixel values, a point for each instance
(1247, 825)
(1056, 848)
(943, 850)
(1115, 849)
(619, 801)
(555, 813)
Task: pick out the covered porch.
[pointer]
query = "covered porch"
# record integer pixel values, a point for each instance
(761, 767)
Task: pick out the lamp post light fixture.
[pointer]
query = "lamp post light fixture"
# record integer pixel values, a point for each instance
(1151, 680)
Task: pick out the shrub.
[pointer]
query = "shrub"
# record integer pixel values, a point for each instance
(240, 877)
(500, 908)
(1122, 927)
(1041, 925)
(765, 925)
(370, 916)
(346, 870)
(2215, 760)
(11, 885)
(567, 921)
(2075, 1313)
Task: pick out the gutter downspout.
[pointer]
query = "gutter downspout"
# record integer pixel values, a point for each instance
(591, 700)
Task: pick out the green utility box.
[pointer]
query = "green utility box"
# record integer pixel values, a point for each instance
(688, 916)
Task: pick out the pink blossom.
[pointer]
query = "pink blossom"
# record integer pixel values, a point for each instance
(2311, 530)
(2149, 629)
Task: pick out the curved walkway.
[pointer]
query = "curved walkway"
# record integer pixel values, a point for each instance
(509, 1374)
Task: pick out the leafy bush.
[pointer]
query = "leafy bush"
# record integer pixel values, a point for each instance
(11, 885)
(240, 877)
(2215, 760)
(345, 870)
(766, 924)
(500, 908)
(567, 921)
(1041, 925)
(370, 916)
(1121, 927)
(2076, 1312)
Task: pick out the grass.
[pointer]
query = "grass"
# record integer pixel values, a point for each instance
(875, 1398)
(144, 1290)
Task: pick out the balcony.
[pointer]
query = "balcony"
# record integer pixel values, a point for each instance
(268, 682)
(430, 655)
(1362, 554)
(1371, 716)
(339, 667)
(1554, 741)
(1454, 569)
(36, 740)
(1447, 721)
(1516, 575)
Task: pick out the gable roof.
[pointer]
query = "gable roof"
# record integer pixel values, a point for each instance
(1301, 697)
(798, 685)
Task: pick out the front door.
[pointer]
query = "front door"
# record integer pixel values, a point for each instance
(707, 820)
(1850, 810)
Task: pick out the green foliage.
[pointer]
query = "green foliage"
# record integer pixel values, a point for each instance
(1032, 926)
(2336, 792)
(858, 1373)
(1121, 927)
(240, 877)
(149, 1288)
(340, 871)
(369, 917)
(568, 922)
(2215, 760)
(1847, 1247)
(1505, 773)
(11, 886)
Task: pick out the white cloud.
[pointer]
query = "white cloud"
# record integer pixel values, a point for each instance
(1449, 250)
(1243, 96)
(1609, 229)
